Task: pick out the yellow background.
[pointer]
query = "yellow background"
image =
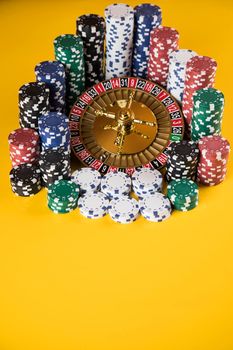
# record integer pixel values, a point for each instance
(69, 283)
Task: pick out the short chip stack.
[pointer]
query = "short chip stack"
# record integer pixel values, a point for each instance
(146, 17)
(54, 131)
(182, 160)
(116, 184)
(146, 181)
(214, 153)
(52, 73)
(124, 210)
(183, 194)
(88, 179)
(119, 40)
(93, 205)
(155, 208)
(33, 101)
(54, 165)
(200, 73)
(24, 146)
(25, 179)
(208, 106)
(63, 196)
(163, 41)
(177, 68)
(69, 51)
(91, 28)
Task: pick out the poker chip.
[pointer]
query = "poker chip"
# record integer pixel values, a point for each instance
(52, 73)
(54, 131)
(63, 196)
(24, 145)
(69, 51)
(177, 68)
(146, 181)
(54, 165)
(163, 41)
(33, 101)
(200, 73)
(208, 106)
(124, 210)
(93, 205)
(146, 18)
(25, 179)
(183, 194)
(114, 184)
(119, 40)
(88, 179)
(91, 28)
(155, 208)
(214, 153)
(182, 160)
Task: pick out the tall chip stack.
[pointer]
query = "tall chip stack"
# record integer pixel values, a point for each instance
(163, 41)
(52, 73)
(33, 101)
(177, 68)
(208, 106)
(91, 28)
(146, 17)
(200, 73)
(69, 51)
(119, 40)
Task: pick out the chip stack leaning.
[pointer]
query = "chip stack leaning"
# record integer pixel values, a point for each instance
(214, 154)
(119, 40)
(116, 184)
(33, 101)
(208, 106)
(52, 73)
(54, 131)
(91, 28)
(63, 196)
(200, 73)
(25, 179)
(183, 193)
(176, 76)
(146, 18)
(146, 181)
(182, 160)
(163, 41)
(24, 146)
(69, 51)
(88, 179)
(155, 208)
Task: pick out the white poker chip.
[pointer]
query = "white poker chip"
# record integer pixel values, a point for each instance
(124, 210)
(147, 180)
(93, 205)
(88, 179)
(156, 207)
(116, 183)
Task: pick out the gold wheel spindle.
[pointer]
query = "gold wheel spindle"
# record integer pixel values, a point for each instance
(140, 134)
(144, 122)
(130, 100)
(104, 113)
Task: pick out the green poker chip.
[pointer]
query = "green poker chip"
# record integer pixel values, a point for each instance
(63, 196)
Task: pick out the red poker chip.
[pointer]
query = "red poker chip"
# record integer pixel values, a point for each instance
(23, 138)
(214, 144)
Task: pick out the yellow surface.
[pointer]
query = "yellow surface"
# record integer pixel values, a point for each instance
(67, 283)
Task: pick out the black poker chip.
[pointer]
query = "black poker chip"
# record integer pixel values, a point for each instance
(25, 179)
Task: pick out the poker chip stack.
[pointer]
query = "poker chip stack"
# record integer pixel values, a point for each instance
(63, 196)
(24, 146)
(33, 101)
(146, 181)
(88, 179)
(69, 51)
(52, 73)
(200, 73)
(214, 153)
(163, 41)
(54, 165)
(91, 28)
(124, 210)
(183, 194)
(182, 160)
(93, 205)
(119, 40)
(155, 208)
(208, 106)
(176, 76)
(54, 131)
(116, 184)
(25, 179)
(146, 17)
